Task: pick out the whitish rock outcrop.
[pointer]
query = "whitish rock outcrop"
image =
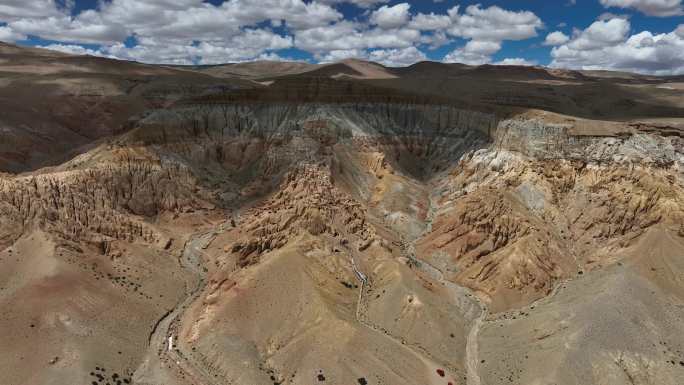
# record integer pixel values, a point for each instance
(542, 204)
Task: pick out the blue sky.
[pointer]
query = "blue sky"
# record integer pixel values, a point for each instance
(636, 35)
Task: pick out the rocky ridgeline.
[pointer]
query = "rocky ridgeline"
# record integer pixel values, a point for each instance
(307, 200)
(237, 135)
(496, 243)
(542, 203)
(541, 140)
(111, 198)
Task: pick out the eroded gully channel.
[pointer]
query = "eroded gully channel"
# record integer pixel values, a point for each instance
(463, 296)
(469, 304)
(159, 354)
(466, 300)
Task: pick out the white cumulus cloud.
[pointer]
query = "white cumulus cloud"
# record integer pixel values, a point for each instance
(556, 38)
(359, 3)
(488, 28)
(9, 35)
(391, 17)
(644, 52)
(600, 34)
(72, 49)
(661, 8)
(494, 23)
(516, 61)
(430, 22)
(397, 57)
(17, 9)
(474, 53)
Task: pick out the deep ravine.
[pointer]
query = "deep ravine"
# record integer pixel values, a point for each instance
(159, 351)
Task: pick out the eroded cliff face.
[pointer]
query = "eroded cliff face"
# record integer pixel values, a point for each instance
(372, 221)
(506, 207)
(543, 204)
(112, 192)
(306, 202)
(236, 135)
(529, 202)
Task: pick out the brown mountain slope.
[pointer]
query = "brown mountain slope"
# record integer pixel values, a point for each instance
(57, 105)
(259, 69)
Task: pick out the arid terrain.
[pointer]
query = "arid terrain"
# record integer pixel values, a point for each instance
(286, 223)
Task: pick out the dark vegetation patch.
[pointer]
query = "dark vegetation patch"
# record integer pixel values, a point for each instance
(123, 276)
(99, 376)
(349, 285)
